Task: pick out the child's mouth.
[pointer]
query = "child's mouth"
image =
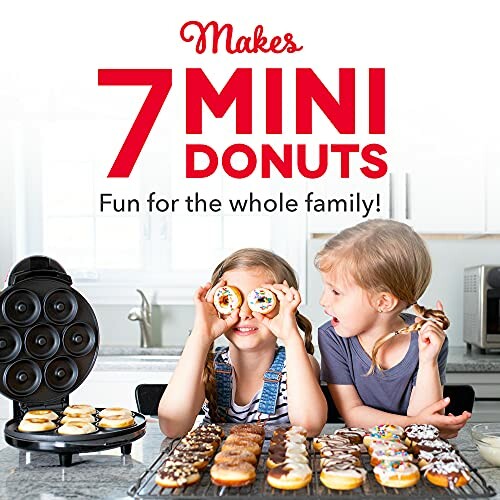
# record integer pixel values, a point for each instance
(244, 331)
(334, 321)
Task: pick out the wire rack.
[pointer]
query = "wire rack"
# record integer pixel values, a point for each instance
(145, 487)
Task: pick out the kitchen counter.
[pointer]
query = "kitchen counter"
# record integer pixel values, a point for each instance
(109, 475)
(164, 359)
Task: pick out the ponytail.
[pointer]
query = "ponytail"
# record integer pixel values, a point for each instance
(305, 325)
(436, 314)
(210, 385)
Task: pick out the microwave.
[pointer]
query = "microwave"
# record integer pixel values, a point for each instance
(482, 307)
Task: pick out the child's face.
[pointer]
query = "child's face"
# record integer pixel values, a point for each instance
(249, 333)
(348, 304)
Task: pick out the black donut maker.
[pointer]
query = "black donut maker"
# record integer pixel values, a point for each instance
(49, 339)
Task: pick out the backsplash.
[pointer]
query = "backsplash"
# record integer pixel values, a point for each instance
(449, 257)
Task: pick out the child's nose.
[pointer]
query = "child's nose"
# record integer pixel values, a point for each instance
(245, 311)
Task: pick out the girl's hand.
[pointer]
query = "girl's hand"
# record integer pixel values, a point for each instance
(448, 425)
(430, 339)
(284, 324)
(207, 322)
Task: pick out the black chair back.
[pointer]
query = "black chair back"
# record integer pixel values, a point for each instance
(147, 397)
(461, 398)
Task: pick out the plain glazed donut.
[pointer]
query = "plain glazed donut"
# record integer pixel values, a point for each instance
(261, 300)
(79, 410)
(51, 415)
(227, 299)
(75, 428)
(116, 422)
(240, 455)
(252, 428)
(111, 412)
(84, 418)
(36, 425)
(234, 474)
(234, 441)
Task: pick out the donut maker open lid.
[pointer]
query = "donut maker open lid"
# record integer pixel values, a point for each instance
(49, 339)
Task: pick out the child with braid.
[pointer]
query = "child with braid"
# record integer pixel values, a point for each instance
(252, 379)
(383, 365)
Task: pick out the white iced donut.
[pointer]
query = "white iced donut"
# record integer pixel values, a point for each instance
(227, 299)
(261, 300)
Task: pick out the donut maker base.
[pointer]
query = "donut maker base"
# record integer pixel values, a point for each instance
(145, 487)
(66, 446)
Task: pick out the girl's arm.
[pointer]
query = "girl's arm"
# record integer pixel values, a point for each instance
(185, 393)
(356, 414)
(306, 403)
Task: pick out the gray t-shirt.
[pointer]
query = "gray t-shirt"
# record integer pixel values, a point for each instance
(344, 362)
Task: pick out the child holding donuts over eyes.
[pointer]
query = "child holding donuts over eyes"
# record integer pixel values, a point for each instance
(383, 366)
(253, 301)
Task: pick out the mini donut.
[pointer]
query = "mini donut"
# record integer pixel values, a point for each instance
(79, 410)
(345, 459)
(234, 474)
(343, 476)
(447, 470)
(214, 428)
(116, 422)
(429, 449)
(397, 474)
(257, 438)
(111, 412)
(252, 428)
(278, 457)
(75, 428)
(330, 452)
(51, 415)
(227, 299)
(389, 455)
(288, 447)
(36, 425)
(335, 451)
(261, 300)
(393, 432)
(290, 476)
(233, 442)
(196, 459)
(354, 434)
(209, 438)
(419, 432)
(330, 440)
(84, 418)
(204, 449)
(177, 475)
(385, 443)
(241, 455)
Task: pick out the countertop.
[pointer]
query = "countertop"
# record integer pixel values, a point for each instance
(37, 475)
(164, 359)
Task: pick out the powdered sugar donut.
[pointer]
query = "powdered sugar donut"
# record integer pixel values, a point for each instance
(227, 299)
(261, 300)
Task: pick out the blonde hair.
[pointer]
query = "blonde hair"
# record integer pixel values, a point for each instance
(279, 270)
(382, 256)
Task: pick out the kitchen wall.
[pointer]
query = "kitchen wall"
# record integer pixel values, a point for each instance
(449, 258)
